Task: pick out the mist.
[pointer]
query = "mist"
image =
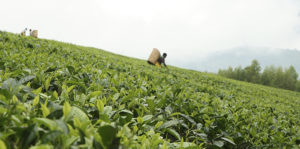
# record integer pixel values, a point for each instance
(189, 31)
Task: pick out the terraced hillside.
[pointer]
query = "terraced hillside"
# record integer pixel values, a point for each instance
(59, 95)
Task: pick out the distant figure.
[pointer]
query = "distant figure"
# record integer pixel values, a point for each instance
(161, 60)
(23, 33)
(156, 59)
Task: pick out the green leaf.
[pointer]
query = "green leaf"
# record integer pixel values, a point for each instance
(187, 145)
(158, 124)
(70, 140)
(108, 110)
(125, 116)
(26, 79)
(185, 116)
(66, 108)
(44, 146)
(47, 122)
(165, 145)
(99, 105)
(3, 99)
(108, 134)
(62, 126)
(228, 140)
(2, 110)
(70, 88)
(36, 100)
(2, 144)
(147, 118)
(173, 133)
(151, 104)
(218, 143)
(55, 95)
(76, 122)
(188, 118)
(94, 94)
(51, 69)
(116, 96)
(37, 91)
(252, 131)
(71, 69)
(169, 124)
(15, 99)
(45, 110)
(139, 120)
(78, 113)
(47, 83)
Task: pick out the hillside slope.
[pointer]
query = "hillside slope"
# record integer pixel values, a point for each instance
(58, 95)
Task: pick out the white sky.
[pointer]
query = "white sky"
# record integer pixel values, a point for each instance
(185, 29)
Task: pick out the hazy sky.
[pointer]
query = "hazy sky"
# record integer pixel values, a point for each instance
(185, 29)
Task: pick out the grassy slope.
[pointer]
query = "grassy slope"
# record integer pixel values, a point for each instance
(162, 106)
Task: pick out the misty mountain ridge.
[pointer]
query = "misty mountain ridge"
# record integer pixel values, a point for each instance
(243, 56)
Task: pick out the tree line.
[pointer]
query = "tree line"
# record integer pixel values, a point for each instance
(286, 78)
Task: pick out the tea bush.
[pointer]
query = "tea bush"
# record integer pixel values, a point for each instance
(59, 95)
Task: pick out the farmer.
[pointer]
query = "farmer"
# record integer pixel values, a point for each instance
(23, 33)
(160, 60)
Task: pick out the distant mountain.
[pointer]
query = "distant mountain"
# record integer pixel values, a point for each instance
(244, 56)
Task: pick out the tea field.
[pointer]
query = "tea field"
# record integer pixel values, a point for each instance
(57, 95)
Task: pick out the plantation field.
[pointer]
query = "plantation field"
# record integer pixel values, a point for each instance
(59, 95)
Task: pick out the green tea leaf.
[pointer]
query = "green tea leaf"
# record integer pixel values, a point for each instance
(66, 108)
(218, 143)
(70, 88)
(228, 140)
(2, 110)
(116, 96)
(36, 100)
(55, 95)
(147, 118)
(45, 110)
(100, 105)
(139, 120)
(125, 116)
(158, 124)
(70, 140)
(94, 94)
(47, 83)
(2, 144)
(42, 147)
(47, 122)
(173, 133)
(37, 91)
(108, 134)
(15, 99)
(170, 123)
(78, 113)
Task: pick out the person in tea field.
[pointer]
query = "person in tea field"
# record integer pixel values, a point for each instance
(23, 33)
(160, 61)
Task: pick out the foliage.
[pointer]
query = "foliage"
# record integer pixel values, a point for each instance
(59, 95)
(252, 72)
(271, 76)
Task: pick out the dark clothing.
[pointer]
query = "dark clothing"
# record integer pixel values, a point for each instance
(161, 60)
